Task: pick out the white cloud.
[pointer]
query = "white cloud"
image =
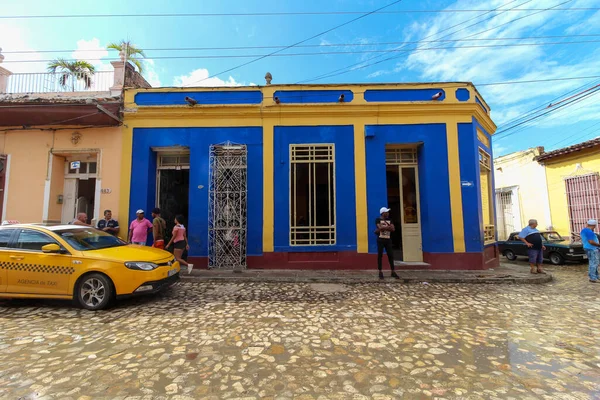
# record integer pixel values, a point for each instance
(150, 73)
(200, 78)
(501, 64)
(93, 52)
(14, 38)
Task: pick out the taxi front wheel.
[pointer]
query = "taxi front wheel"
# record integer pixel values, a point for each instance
(94, 292)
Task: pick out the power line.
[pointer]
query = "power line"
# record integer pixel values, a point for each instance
(418, 49)
(320, 53)
(300, 42)
(307, 45)
(544, 105)
(552, 110)
(350, 68)
(275, 14)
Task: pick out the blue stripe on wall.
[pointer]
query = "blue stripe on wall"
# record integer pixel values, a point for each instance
(471, 195)
(481, 104)
(403, 95)
(463, 94)
(313, 96)
(345, 196)
(436, 222)
(143, 177)
(178, 98)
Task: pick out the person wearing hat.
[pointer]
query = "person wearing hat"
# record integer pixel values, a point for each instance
(138, 230)
(535, 246)
(591, 247)
(159, 227)
(384, 242)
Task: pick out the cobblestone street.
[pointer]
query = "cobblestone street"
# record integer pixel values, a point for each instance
(312, 341)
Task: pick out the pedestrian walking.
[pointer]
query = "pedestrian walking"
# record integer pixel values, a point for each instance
(159, 227)
(180, 242)
(384, 241)
(592, 248)
(535, 246)
(138, 230)
(108, 224)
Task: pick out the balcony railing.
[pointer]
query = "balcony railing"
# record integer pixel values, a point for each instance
(100, 81)
(489, 233)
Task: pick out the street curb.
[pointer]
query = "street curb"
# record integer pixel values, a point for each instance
(534, 280)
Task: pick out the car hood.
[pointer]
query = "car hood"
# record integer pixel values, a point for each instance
(130, 252)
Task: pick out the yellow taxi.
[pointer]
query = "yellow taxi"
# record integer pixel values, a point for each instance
(81, 263)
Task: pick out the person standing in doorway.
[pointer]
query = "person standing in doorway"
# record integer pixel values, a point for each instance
(535, 246)
(80, 220)
(592, 248)
(138, 230)
(180, 242)
(384, 229)
(159, 227)
(108, 224)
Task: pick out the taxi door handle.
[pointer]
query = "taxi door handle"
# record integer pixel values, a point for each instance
(16, 257)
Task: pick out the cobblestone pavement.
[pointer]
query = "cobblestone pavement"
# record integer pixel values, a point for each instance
(312, 341)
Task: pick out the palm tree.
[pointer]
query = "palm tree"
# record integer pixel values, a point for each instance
(134, 54)
(76, 70)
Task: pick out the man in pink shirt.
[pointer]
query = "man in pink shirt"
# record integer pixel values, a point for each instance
(138, 230)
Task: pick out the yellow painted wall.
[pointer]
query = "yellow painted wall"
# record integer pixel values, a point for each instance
(556, 170)
(30, 150)
(56, 188)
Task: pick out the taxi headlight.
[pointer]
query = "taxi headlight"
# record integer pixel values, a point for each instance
(141, 266)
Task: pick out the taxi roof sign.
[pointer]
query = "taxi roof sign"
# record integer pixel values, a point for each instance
(10, 222)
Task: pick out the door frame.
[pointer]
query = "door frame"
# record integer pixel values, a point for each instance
(403, 156)
(85, 176)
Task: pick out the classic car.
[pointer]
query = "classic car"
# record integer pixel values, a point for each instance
(558, 249)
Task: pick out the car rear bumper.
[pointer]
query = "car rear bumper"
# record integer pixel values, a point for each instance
(153, 286)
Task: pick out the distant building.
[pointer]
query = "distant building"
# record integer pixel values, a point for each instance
(573, 176)
(521, 192)
(286, 176)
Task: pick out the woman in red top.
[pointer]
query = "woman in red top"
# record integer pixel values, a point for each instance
(180, 242)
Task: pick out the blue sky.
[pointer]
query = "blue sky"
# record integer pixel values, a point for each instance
(479, 65)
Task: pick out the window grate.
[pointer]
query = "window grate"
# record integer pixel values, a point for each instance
(174, 161)
(401, 156)
(583, 200)
(312, 195)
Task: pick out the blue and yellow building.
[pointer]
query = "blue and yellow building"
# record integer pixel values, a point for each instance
(294, 176)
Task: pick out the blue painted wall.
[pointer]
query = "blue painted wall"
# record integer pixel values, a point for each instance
(178, 98)
(313, 96)
(468, 152)
(345, 196)
(403, 94)
(143, 177)
(436, 222)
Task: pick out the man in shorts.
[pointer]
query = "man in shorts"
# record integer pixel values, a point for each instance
(535, 244)
(159, 227)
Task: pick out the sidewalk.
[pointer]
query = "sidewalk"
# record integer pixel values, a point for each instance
(505, 274)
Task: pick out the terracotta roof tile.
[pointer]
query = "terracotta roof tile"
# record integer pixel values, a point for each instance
(571, 149)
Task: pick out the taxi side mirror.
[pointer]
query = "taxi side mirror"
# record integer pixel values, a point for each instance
(51, 248)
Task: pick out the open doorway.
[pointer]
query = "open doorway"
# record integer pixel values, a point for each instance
(79, 191)
(173, 188)
(403, 200)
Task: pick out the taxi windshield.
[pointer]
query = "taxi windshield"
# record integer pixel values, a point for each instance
(84, 239)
